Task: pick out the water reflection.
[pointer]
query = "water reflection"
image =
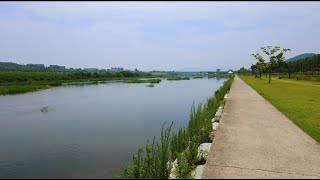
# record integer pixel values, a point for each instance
(89, 130)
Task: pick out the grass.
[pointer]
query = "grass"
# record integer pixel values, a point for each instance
(178, 78)
(302, 76)
(154, 161)
(219, 75)
(142, 81)
(197, 77)
(19, 89)
(24, 87)
(298, 100)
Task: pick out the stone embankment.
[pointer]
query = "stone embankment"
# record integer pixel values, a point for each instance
(204, 148)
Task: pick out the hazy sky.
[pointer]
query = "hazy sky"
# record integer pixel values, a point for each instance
(154, 35)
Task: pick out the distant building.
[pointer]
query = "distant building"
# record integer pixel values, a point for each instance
(91, 69)
(218, 70)
(58, 68)
(117, 69)
(230, 71)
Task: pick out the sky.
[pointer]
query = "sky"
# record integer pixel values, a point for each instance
(171, 36)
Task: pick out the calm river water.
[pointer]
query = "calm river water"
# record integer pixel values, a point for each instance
(90, 131)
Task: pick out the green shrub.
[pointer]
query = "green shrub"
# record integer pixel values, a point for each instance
(155, 161)
(152, 162)
(178, 78)
(183, 169)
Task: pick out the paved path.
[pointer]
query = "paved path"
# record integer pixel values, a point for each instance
(255, 140)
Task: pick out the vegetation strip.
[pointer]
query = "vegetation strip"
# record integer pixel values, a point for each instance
(178, 78)
(300, 103)
(22, 82)
(142, 81)
(155, 160)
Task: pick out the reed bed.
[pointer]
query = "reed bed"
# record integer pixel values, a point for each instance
(155, 160)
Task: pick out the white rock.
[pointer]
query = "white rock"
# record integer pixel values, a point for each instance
(217, 115)
(205, 146)
(215, 126)
(203, 151)
(213, 120)
(198, 172)
(226, 96)
(174, 164)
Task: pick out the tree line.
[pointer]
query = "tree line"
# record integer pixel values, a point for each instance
(8, 77)
(305, 65)
(275, 63)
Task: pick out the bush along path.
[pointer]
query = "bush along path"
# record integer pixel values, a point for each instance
(180, 154)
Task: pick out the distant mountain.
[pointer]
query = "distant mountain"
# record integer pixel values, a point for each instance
(301, 56)
(9, 66)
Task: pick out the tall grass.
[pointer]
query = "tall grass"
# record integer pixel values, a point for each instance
(198, 77)
(151, 162)
(142, 81)
(154, 161)
(18, 89)
(178, 78)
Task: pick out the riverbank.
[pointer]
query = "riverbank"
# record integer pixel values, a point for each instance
(180, 149)
(255, 140)
(24, 87)
(22, 82)
(178, 78)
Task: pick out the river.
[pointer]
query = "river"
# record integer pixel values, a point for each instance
(90, 131)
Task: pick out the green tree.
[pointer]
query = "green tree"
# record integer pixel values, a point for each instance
(275, 56)
(261, 65)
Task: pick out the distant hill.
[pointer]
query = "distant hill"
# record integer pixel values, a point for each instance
(9, 66)
(301, 56)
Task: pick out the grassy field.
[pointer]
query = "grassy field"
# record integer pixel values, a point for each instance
(298, 100)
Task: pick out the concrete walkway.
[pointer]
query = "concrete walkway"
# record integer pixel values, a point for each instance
(255, 140)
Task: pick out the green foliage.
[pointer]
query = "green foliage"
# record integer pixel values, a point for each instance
(219, 75)
(9, 66)
(178, 78)
(179, 142)
(243, 71)
(142, 81)
(305, 65)
(197, 77)
(18, 89)
(276, 60)
(298, 100)
(151, 162)
(55, 83)
(301, 56)
(21, 82)
(16, 77)
(155, 161)
(183, 169)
